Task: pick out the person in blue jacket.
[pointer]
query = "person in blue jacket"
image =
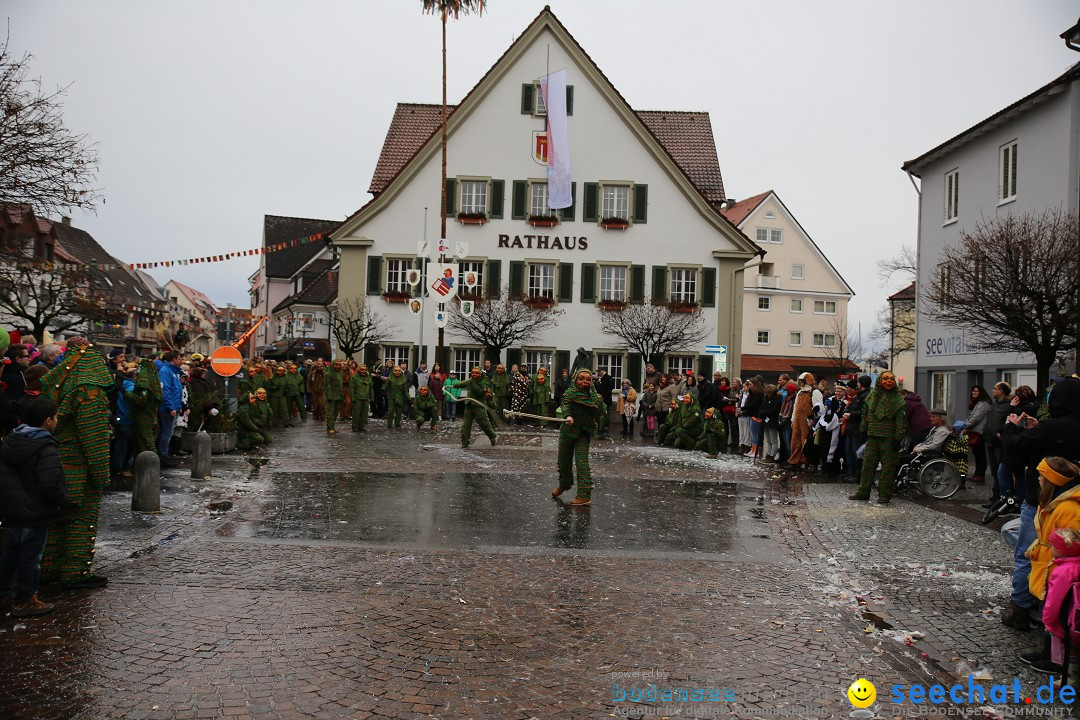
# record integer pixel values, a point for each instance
(172, 401)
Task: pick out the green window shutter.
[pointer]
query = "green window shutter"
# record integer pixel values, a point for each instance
(704, 366)
(708, 287)
(641, 204)
(493, 272)
(415, 356)
(517, 278)
(589, 211)
(569, 99)
(658, 361)
(588, 282)
(517, 203)
(451, 196)
(568, 213)
(659, 283)
(374, 275)
(527, 98)
(637, 283)
(562, 360)
(513, 357)
(566, 282)
(498, 188)
(633, 370)
(371, 354)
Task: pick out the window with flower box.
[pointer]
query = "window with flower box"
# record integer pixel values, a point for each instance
(613, 283)
(397, 271)
(541, 280)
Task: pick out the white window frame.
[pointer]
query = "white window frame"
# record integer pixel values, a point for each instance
(612, 289)
(395, 351)
(952, 196)
(540, 291)
(1008, 376)
(475, 266)
(535, 358)
(539, 108)
(678, 362)
(692, 279)
(801, 275)
(1007, 164)
(791, 305)
(544, 210)
(820, 340)
(614, 364)
(764, 303)
(941, 391)
(396, 274)
(462, 362)
(795, 338)
(615, 206)
(763, 333)
(824, 307)
(478, 201)
(761, 235)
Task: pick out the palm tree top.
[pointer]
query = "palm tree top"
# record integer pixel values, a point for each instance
(454, 7)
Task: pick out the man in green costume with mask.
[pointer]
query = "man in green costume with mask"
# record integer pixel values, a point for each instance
(294, 395)
(275, 390)
(334, 392)
(360, 390)
(585, 411)
(884, 423)
(685, 435)
(397, 387)
(479, 389)
(670, 425)
(144, 401)
(248, 434)
(500, 388)
(712, 439)
(425, 407)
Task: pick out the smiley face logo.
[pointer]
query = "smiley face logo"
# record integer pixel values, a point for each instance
(862, 693)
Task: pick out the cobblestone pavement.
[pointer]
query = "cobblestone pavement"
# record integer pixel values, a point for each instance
(394, 575)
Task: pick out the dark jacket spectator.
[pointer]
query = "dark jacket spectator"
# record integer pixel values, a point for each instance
(769, 410)
(995, 420)
(16, 361)
(918, 417)
(855, 407)
(32, 490)
(1060, 435)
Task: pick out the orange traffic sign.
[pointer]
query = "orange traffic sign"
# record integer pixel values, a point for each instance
(226, 361)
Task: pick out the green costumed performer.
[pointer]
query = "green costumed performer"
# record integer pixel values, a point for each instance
(276, 388)
(712, 439)
(360, 390)
(670, 424)
(540, 395)
(263, 415)
(397, 388)
(294, 394)
(334, 392)
(479, 389)
(884, 424)
(144, 401)
(500, 388)
(425, 407)
(248, 434)
(690, 425)
(584, 411)
(79, 385)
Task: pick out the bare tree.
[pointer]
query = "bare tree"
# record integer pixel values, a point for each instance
(502, 322)
(653, 329)
(846, 348)
(42, 163)
(1012, 284)
(904, 266)
(45, 296)
(355, 326)
(895, 324)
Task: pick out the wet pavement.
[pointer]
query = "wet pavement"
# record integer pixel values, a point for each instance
(395, 575)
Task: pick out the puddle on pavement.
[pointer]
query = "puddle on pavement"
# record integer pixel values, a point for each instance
(475, 510)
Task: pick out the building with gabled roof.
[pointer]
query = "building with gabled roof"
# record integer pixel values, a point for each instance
(275, 280)
(196, 316)
(303, 319)
(645, 223)
(795, 316)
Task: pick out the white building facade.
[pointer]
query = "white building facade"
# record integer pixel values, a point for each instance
(1023, 159)
(655, 172)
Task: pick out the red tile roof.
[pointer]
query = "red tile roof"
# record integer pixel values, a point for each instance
(774, 365)
(409, 131)
(737, 212)
(197, 298)
(907, 293)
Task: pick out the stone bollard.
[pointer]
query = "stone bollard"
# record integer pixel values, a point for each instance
(200, 455)
(146, 495)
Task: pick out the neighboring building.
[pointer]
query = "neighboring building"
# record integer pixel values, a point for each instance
(902, 335)
(796, 308)
(655, 171)
(976, 176)
(302, 320)
(232, 323)
(196, 318)
(274, 281)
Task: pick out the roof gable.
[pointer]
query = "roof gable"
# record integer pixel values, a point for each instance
(321, 291)
(737, 212)
(681, 144)
(280, 229)
(113, 276)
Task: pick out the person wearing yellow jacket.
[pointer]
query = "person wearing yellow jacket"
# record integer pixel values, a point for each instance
(1059, 507)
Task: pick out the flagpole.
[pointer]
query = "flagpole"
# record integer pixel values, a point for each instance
(423, 348)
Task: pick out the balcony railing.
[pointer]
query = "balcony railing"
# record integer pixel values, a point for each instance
(768, 281)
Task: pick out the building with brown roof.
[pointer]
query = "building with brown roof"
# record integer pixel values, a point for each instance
(644, 224)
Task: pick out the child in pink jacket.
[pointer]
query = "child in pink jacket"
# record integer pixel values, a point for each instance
(1064, 573)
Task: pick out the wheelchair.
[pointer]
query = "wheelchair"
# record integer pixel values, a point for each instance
(933, 475)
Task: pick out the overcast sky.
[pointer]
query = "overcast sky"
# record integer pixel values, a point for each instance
(211, 114)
